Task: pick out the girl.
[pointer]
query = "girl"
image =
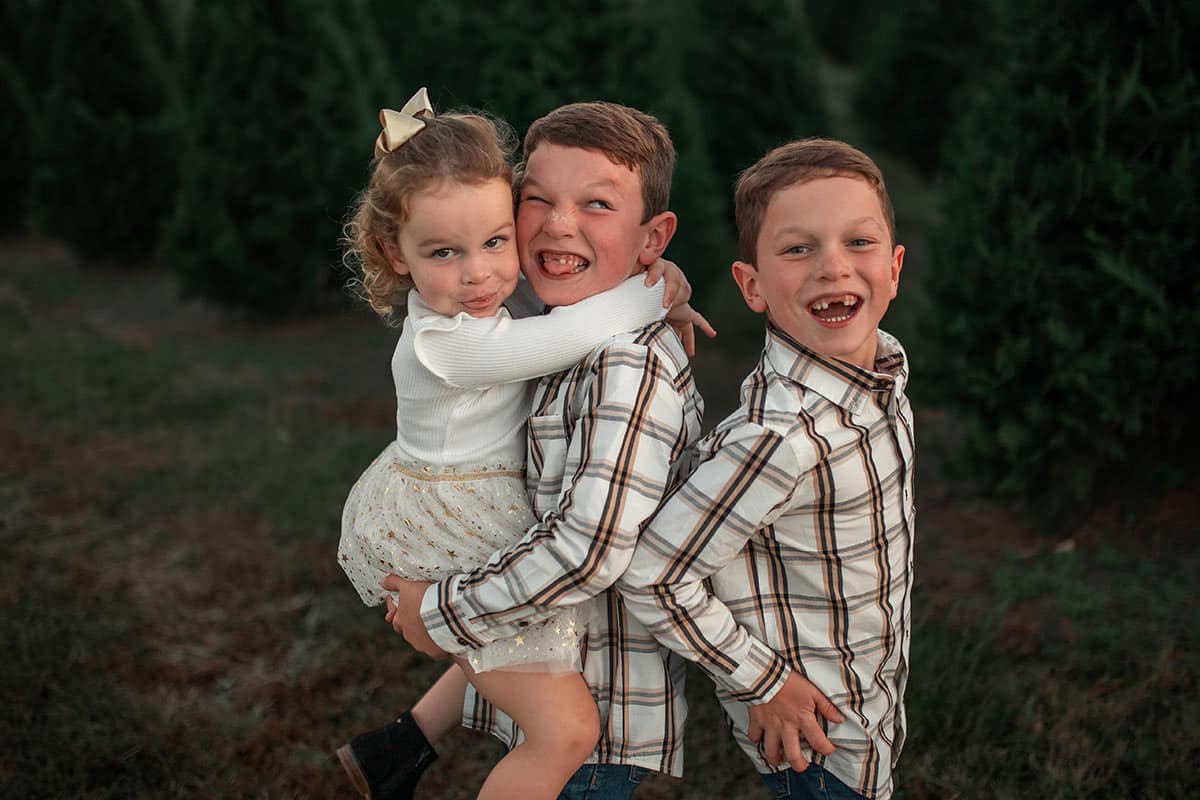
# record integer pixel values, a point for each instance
(435, 228)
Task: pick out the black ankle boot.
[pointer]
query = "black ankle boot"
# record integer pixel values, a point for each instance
(385, 764)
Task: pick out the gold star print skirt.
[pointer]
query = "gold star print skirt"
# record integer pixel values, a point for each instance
(426, 523)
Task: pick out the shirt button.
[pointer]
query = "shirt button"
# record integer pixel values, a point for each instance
(522, 624)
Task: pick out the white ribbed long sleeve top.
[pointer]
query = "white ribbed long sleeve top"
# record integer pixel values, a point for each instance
(462, 382)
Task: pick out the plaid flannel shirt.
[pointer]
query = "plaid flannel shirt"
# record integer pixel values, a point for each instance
(799, 515)
(605, 439)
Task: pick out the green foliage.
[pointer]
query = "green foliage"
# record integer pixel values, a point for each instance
(921, 59)
(269, 152)
(756, 86)
(841, 28)
(1063, 301)
(93, 157)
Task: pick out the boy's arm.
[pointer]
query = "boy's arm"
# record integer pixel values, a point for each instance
(630, 431)
(746, 482)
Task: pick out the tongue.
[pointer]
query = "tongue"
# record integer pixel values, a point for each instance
(558, 269)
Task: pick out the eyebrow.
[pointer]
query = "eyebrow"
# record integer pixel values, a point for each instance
(605, 183)
(789, 230)
(507, 226)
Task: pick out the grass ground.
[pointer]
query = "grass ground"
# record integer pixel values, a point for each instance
(174, 624)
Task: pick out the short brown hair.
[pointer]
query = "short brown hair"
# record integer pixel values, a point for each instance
(628, 137)
(456, 147)
(799, 162)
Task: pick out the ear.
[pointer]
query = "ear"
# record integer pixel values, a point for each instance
(659, 231)
(897, 265)
(391, 252)
(746, 277)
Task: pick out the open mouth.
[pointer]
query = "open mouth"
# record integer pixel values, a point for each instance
(562, 265)
(834, 309)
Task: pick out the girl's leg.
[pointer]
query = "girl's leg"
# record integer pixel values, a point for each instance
(561, 726)
(439, 710)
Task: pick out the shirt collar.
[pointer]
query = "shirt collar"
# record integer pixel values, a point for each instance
(845, 384)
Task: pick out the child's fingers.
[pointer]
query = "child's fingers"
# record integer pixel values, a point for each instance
(829, 711)
(655, 271)
(811, 730)
(688, 337)
(793, 751)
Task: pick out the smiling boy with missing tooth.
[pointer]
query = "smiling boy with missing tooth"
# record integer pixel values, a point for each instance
(800, 509)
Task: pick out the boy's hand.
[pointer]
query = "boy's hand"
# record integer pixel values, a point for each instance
(404, 614)
(682, 318)
(790, 714)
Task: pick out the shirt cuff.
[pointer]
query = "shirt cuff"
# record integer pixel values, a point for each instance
(448, 629)
(759, 676)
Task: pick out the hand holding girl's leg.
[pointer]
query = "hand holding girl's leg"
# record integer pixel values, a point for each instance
(561, 724)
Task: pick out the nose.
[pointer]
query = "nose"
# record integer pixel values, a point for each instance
(474, 269)
(560, 222)
(833, 264)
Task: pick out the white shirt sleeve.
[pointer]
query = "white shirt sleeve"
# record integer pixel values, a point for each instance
(470, 352)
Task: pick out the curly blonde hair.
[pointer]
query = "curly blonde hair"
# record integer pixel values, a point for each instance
(456, 147)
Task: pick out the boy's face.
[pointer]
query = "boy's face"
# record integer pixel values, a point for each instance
(827, 269)
(579, 228)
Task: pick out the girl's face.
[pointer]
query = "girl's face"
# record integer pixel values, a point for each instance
(458, 247)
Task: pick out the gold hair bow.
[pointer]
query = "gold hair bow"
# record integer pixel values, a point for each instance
(400, 126)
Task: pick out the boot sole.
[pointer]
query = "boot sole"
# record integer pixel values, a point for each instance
(354, 770)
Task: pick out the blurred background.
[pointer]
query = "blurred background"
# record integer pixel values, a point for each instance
(189, 390)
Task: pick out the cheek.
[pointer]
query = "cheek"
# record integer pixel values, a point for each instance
(529, 219)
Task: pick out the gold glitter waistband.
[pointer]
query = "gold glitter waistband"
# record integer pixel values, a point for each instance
(427, 473)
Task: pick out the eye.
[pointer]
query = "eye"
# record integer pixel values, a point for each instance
(861, 242)
(442, 253)
(532, 198)
(797, 250)
(604, 204)
(495, 243)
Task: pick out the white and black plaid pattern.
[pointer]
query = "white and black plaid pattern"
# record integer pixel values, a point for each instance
(799, 517)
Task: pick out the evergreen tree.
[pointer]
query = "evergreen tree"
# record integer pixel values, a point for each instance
(1065, 294)
(91, 127)
(277, 145)
(920, 63)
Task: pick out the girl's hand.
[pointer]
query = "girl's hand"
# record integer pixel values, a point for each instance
(676, 291)
(682, 318)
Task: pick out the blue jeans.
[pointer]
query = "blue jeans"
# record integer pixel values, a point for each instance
(815, 783)
(603, 782)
